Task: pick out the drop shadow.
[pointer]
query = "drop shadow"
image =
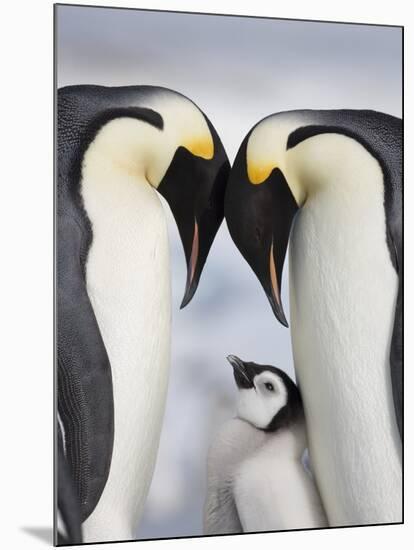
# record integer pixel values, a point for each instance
(45, 534)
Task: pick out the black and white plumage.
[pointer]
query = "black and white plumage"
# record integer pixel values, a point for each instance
(68, 512)
(256, 478)
(330, 184)
(116, 147)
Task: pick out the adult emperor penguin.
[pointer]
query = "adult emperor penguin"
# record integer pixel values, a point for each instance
(256, 478)
(338, 175)
(116, 148)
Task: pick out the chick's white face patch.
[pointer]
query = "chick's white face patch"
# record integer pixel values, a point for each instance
(260, 404)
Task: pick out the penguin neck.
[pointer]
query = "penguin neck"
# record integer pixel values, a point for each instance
(288, 442)
(129, 148)
(334, 165)
(141, 150)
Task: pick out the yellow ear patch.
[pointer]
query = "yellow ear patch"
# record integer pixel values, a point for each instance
(201, 147)
(258, 173)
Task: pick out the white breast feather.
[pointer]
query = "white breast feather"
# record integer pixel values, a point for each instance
(264, 476)
(128, 282)
(342, 301)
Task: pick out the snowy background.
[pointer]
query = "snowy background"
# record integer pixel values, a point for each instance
(237, 70)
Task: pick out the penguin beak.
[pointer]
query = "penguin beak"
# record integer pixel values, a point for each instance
(259, 218)
(194, 188)
(242, 374)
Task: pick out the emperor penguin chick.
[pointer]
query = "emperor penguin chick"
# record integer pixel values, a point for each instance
(256, 480)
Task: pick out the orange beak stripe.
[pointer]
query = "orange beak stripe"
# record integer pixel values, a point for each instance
(194, 253)
(273, 278)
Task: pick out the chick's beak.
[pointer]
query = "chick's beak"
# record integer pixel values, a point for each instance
(242, 374)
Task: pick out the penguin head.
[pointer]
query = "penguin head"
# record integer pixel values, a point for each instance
(170, 144)
(194, 182)
(260, 206)
(268, 399)
(284, 161)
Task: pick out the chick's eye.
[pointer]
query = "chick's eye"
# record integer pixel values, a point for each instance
(269, 386)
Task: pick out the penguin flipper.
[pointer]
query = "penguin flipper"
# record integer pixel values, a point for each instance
(392, 167)
(84, 379)
(393, 202)
(68, 501)
(220, 512)
(396, 363)
(396, 353)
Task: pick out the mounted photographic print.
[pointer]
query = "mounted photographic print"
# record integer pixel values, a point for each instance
(229, 274)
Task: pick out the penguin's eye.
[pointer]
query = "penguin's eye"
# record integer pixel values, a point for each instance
(269, 386)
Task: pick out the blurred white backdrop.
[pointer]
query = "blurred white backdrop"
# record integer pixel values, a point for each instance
(237, 70)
